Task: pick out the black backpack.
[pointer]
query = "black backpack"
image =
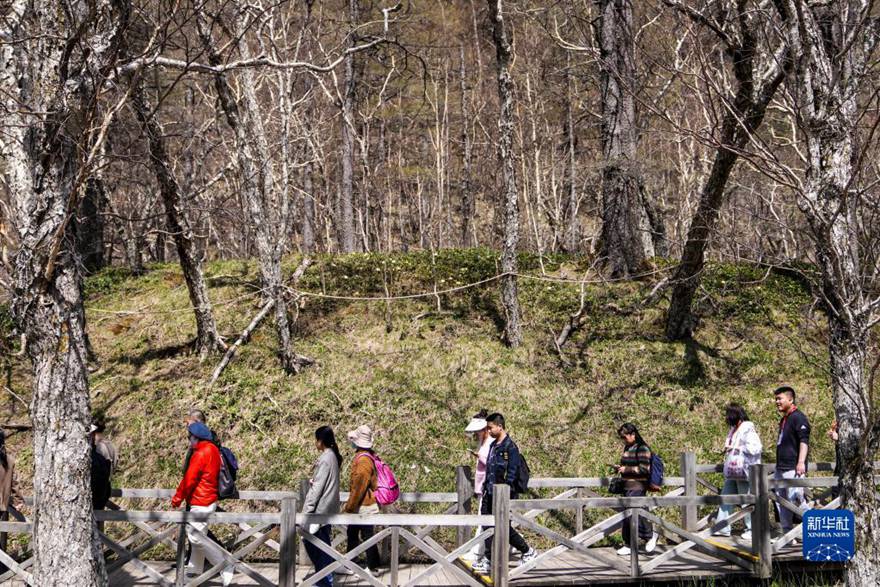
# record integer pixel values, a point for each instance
(521, 483)
(228, 473)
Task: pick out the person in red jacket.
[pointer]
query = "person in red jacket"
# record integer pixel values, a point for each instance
(199, 489)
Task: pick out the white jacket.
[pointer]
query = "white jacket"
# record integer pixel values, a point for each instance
(744, 440)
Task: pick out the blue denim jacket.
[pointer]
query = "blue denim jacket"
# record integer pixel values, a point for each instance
(502, 465)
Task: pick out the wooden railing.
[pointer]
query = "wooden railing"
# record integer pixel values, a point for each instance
(153, 528)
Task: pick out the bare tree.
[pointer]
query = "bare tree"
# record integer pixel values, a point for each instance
(188, 254)
(833, 43)
(626, 239)
(268, 207)
(757, 74)
(346, 225)
(509, 294)
(56, 58)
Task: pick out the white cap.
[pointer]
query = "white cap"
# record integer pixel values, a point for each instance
(475, 425)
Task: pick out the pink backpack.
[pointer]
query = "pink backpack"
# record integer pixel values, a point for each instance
(387, 490)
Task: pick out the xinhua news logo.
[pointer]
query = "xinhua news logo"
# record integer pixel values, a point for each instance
(829, 535)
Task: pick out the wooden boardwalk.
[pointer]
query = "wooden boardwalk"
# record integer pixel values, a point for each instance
(568, 569)
(274, 535)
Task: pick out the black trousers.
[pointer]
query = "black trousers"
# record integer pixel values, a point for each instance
(516, 539)
(645, 529)
(357, 535)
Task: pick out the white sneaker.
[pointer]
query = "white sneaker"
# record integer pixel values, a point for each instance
(482, 566)
(624, 551)
(652, 543)
(747, 535)
(470, 557)
(343, 571)
(227, 575)
(528, 557)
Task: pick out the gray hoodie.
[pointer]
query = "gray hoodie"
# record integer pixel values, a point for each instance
(323, 495)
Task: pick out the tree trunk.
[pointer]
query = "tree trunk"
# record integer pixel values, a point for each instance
(509, 294)
(743, 114)
(207, 337)
(48, 84)
(625, 242)
(308, 209)
(346, 228)
(468, 209)
(679, 317)
(570, 207)
(90, 226)
(833, 50)
(267, 214)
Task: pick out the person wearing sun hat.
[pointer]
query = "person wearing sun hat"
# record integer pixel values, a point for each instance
(363, 482)
(478, 428)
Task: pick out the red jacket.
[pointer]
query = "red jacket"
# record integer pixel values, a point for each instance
(199, 485)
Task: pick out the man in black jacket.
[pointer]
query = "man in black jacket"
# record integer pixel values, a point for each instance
(502, 466)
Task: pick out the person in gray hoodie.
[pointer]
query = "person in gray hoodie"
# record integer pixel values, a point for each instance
(323, 497)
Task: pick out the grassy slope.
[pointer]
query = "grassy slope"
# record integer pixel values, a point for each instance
(418, 383)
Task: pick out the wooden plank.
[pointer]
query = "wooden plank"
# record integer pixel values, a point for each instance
(632, 502)
(123, 559)
(633, 543)
(501, 541)
(180, 574)
(144, 567)
(16, 568)
(700, 542)
(439, 557)
(452, 556)
(240, 553)
(287, 555)
(217, 550)
(566, 542)
(340, 560)
(590, 536)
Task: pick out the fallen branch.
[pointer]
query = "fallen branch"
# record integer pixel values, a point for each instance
(575, 323)
(261, 315)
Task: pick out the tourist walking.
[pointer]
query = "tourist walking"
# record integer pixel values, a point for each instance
(362, 485)
(199, 489)
(742, 449)
(103, 444)
(482, 442)
(635, 470)
(323, 497)
(502, 466)
(792, 447)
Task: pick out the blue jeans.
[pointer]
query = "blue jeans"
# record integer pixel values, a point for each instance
(732, 487)
(320, 558)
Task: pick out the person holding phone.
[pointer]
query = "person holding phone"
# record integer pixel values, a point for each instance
(480, 443)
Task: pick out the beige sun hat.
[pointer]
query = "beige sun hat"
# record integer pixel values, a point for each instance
(362, 437)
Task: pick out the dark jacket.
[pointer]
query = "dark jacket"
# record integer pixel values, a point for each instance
(502, 466)
(101, 468)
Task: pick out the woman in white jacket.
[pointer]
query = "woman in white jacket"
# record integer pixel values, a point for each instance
(742, 449)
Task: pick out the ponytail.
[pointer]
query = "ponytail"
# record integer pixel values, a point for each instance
(328, 439)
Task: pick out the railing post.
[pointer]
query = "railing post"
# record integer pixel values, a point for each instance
(501, 541)
(762, 545)
(689, 472)
(464, 490)
(395, 556)
(287, 554)
(180, 574)
(304, 486)
(579, 513)
(633, 543)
